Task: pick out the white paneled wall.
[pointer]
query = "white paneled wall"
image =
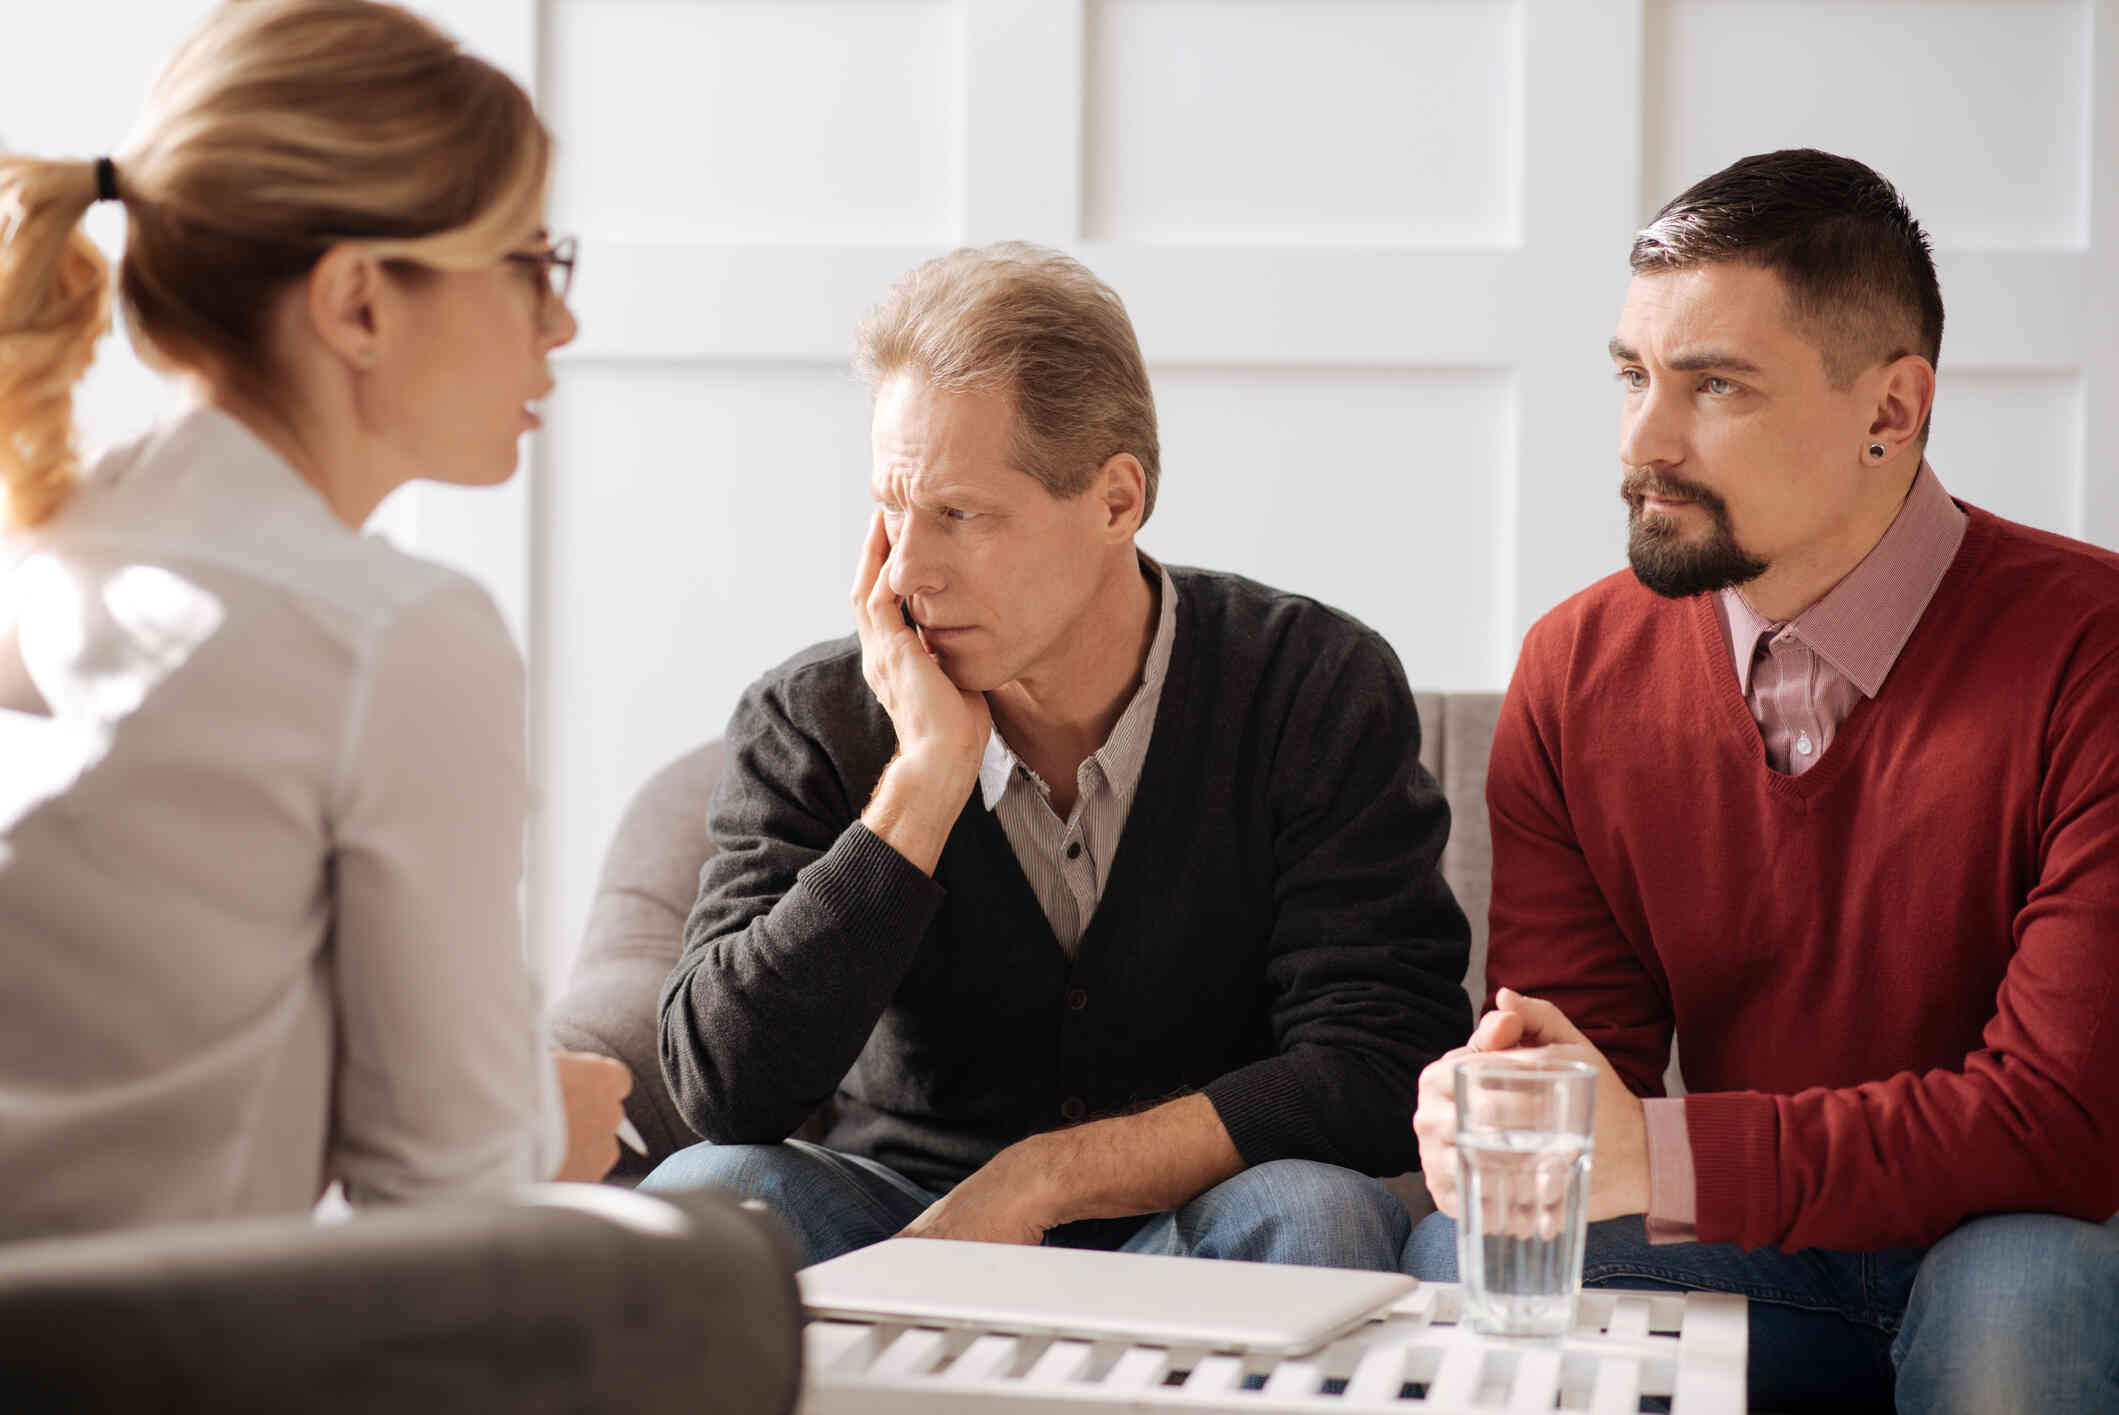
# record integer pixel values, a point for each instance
(757, 120)
(1977, 111)
(1410, 461)
(1373, 248)
(1190, 136)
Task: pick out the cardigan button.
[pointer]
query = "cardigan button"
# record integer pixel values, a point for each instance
(1076, 999)
(1073, 1108)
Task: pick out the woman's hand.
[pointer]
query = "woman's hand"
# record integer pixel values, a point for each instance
(593, 1089)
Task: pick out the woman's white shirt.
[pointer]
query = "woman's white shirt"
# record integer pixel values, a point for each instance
(259, 863)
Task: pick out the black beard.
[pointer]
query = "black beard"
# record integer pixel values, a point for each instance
(1671, 566)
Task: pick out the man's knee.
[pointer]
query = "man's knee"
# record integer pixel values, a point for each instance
(1297, 1211)
(1431, 1251)
(2022, 1309)
(834, 1203)
(1612, 1249)
(751, 1171)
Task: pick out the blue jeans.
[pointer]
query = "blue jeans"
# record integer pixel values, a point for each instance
(1287, 1211)
(2010, 1312)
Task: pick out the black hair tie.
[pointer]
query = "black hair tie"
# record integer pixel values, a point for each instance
(106, 179)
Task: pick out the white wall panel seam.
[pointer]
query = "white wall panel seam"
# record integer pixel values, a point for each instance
(2097, 468)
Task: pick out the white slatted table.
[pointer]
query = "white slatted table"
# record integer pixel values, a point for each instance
(1416, 1357)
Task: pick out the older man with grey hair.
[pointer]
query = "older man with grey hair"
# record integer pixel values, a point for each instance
(1101, 895)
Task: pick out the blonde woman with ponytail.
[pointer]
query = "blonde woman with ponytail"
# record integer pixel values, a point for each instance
(262, 778)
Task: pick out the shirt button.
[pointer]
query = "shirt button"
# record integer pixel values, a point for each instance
(1073, 1108)
(1076, 999)
(1804, 746)
(1074, 851)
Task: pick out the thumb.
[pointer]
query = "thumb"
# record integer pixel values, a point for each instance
(1497, 1031)
(1543, 1023)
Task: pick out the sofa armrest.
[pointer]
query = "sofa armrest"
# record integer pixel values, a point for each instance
(634, 935)
(565, 1297)
(609, 1008)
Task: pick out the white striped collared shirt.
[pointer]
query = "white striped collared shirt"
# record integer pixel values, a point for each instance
(1068, 862)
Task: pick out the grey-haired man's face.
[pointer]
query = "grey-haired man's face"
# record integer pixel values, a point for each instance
(994, 570)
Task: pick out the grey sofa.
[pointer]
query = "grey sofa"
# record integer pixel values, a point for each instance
(651, 875)
(568, 1297)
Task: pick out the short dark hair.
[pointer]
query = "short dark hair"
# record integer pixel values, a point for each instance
(1859, 271)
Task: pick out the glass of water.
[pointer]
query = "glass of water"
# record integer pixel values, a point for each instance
(1523, 1137)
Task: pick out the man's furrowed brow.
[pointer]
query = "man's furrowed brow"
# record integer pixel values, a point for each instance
(1706, 360)
(969, 498)
(910, 492)
(1711, 360)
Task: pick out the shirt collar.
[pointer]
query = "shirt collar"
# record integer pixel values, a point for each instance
(1125, 752)
(1862, 623)
(995, 770)
(1743, 626)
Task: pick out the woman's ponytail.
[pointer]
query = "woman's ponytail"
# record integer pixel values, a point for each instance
(54, 306)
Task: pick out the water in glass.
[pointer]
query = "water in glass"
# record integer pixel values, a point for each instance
(1520, 1242)
(1524, 1126)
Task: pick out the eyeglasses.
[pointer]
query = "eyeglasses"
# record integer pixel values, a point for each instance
(556, 263)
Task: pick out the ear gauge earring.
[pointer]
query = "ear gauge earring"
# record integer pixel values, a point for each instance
(1876, 451)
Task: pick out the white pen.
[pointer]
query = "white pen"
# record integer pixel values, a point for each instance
(631, 1137)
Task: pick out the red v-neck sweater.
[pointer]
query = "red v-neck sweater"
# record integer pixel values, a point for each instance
(1894, 980)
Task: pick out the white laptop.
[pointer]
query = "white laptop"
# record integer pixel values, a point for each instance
(1212, 1304)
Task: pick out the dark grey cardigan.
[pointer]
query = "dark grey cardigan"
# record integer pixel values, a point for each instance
(1275, 931)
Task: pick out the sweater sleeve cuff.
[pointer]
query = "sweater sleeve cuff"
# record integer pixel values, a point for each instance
(1268, 1117)
(1672, 1206)
(1734, 1137)
(877, 896)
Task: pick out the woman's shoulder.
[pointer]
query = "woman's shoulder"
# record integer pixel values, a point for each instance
(200, 500)
(379, 590)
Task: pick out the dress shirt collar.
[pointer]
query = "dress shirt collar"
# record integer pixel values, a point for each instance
(179, 480)
(1863, 622)
(1125, 753)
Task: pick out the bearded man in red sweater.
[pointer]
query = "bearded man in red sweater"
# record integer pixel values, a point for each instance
(1828, 788)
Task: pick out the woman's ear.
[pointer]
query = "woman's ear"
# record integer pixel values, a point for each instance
(344, 305)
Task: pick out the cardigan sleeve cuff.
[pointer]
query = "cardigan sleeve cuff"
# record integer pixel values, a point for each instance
(1268, 1117)
(875, 895)
(1734, 1137)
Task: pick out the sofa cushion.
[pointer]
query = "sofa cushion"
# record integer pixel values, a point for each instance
(1457, 737)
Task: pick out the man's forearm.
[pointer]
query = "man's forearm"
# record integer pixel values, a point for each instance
(1133, 1164)
(916, 805)
(769, 1006)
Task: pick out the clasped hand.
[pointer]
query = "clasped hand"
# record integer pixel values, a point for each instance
(1618, 1182)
